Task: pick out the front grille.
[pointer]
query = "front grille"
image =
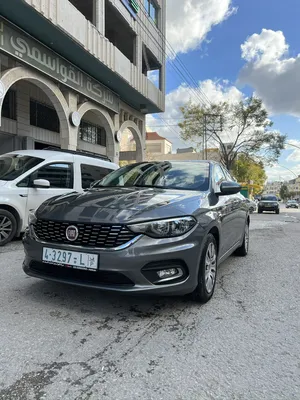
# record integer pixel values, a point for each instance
(92, 235)
(80, 276)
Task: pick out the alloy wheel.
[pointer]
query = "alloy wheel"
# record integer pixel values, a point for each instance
(210, 267)
(6, 227)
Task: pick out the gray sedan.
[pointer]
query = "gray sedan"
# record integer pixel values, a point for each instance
(153, 227)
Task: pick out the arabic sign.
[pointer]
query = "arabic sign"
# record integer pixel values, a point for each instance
(26, 49)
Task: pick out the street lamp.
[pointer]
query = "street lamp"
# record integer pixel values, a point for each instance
(293, 145)
(288, 169)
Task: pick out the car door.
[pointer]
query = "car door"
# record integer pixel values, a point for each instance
(225, 211)
(17, 198)
(239, 212)
(61, 178)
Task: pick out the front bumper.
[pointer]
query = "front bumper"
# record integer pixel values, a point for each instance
(124, 270)
(268, 208)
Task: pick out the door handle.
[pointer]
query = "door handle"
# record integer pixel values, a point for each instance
(23, 195)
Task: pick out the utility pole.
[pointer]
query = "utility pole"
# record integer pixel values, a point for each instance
(212, 123)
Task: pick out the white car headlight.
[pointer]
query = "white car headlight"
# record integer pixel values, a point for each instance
(31, 217)
(165, 228)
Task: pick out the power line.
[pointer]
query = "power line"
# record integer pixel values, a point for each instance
(168, 46)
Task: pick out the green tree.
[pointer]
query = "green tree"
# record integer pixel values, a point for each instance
(246, 127)
(284, 192)
(246, 169)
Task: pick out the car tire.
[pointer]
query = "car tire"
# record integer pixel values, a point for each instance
(277, 211)
(207, 274)
(244, 249)
(8, 227)
(259, 211)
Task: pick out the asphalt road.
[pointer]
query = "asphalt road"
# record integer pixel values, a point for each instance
(62, 342)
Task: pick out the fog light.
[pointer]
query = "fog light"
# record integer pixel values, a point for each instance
(167, 273)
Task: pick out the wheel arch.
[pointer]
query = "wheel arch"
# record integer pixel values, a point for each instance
(214, 230)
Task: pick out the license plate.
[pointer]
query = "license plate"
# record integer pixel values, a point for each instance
(70, 258)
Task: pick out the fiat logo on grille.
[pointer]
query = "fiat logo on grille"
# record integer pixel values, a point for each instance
(72, 233)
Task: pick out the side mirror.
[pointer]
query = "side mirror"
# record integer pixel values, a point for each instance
(228, 188)
(41, 184)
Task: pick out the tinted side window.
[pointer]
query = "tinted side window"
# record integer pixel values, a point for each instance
(92, 173)
(59, 175)
(219, 177)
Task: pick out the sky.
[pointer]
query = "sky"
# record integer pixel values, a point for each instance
(232, 49)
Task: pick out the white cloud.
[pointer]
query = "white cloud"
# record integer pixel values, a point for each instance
(271, 72)
(282, 173)
(153, 76)
(189, 21)
(295, 155)
(216, 91)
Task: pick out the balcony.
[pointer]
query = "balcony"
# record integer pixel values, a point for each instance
(59, 24)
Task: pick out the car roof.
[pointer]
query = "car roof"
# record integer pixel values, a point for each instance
(63, 156)
(177, 162)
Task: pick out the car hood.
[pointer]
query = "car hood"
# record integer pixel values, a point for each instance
(3, 183)
(122, 205)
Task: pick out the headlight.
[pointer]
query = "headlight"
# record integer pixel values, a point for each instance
(165, 228)
(31, 217)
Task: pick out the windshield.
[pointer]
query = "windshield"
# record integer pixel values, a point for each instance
(167, 175)
(14, 165)
(269, 198)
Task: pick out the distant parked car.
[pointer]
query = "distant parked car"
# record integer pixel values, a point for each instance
(268, 203)
(292, 204)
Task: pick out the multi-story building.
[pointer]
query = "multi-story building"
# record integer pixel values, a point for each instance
(76, 74)
(292, 185)
(273, 187)
(186, 150)
(212, 154)
(157, 145)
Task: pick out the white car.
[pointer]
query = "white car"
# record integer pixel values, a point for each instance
(29, 177)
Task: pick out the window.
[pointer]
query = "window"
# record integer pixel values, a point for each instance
(14, 165)
(92, 173)
(169, 175)
(219, 177)
(59, 175)
(91, 133)
(151, 9)
(85, 7)
(44, 116)
(268, 198)
(118, 32)
(9, 108)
